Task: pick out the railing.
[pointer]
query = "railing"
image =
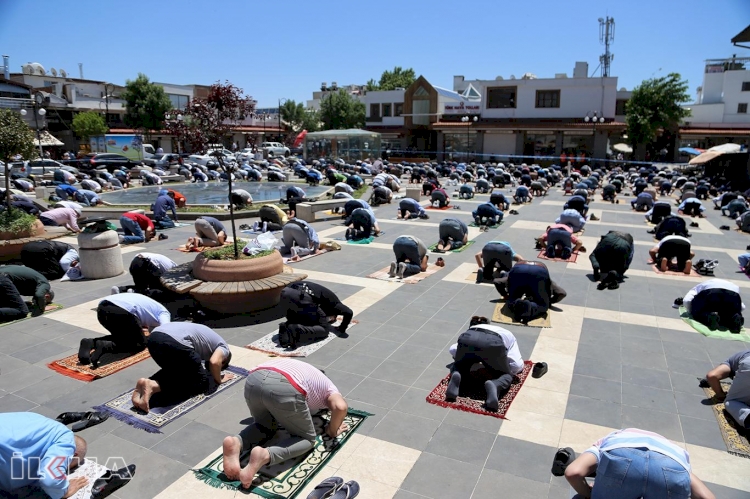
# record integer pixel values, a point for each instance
(12, 103)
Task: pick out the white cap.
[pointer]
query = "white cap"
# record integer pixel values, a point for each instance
(452, 349)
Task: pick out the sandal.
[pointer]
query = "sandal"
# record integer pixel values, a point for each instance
(563, 457)
(111, 481)
(326, 488)
(90, 419)
(70, 417)
(347, 491)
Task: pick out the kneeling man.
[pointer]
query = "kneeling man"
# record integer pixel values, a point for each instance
(529, 290)
(310, 309)
(612, 257)
(737, 400)
(716, 303)
(673, 248)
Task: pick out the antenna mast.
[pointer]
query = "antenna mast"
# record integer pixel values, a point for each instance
(606, 36)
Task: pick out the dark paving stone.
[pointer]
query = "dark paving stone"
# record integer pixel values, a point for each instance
(514, 486)
(523, 459)
(648, 398)
(13, 403)
(462, 444)
(41, 351)
(406, 429)
(50, 388)
(473, 421)
(663, 423)
(415, 355)
(597, 368)
(414, 402)
(380, 393)
(441, 477)
(593, 411)
(722, 492)
(642, 376)
(397, 372)
(356, 363)
(596, 388)
(702, 432)
(372, 347)
(191, 444)
(155, 473)
(695, 406)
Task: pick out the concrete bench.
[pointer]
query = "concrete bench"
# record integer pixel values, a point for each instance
(172, 178)
(306, 211)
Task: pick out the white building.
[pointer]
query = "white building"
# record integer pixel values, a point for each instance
(720, 112)
(357, 91)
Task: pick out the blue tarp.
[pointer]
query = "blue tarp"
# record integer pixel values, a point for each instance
(691, 150)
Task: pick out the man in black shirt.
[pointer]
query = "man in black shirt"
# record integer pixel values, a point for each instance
(29, 282)
(310, 309)
(12, 306)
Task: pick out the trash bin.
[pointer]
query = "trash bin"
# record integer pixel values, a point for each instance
(100, 254)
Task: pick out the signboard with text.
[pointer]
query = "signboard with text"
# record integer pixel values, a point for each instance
(463, 107)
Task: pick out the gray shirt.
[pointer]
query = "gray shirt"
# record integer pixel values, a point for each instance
(739, 364)
(200, 338)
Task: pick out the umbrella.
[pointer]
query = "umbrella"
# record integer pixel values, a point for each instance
(726, 148)
(691, 151)
(705, 157)
(622, 147)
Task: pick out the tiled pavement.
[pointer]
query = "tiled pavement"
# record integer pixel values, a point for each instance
(617, 358)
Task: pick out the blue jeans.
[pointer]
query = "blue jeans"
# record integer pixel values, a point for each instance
(164, 222)
(629, 473)
(744, 259)
(133, 231)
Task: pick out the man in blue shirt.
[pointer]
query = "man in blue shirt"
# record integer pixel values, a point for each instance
(88, 198)
(38, 451)
(692, 207)
(410, 208)
(163, 203)
(572, 218)
(487, 214)
(65, 191)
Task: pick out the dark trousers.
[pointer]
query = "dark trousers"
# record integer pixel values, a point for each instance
(488, 349)
(722, 301)
(182, 374)
(164, 222)
(562, 238)
(407, 251)
(145, 274)
(496, 256)
(125, 330)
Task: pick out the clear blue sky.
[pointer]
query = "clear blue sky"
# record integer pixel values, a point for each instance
(285, 49)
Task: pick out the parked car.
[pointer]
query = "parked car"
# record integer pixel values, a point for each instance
(244, 155)
(275, 149)
(163, 161)
(111, 162)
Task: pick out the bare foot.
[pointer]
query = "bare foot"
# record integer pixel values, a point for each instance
(294, 259)
(259, 457)
(142, 394)
(231, 449)
(664, 265)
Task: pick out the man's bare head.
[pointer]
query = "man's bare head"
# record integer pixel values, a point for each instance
(79, 455)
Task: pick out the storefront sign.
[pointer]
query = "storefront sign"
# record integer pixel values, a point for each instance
(463, 107)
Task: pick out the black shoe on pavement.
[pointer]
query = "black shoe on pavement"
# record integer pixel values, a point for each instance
(540, 369)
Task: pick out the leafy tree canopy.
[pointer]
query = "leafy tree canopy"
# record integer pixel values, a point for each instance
(89, 124)
(391, 80)
(299, 118)
(15, 138)
(145, 104)
(340, 111)
(654, 106)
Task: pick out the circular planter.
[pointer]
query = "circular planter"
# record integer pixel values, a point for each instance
(237, 270)
(11, 243)
(100, 254)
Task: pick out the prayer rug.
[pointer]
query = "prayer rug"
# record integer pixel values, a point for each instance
(504, 315)
(382, 275)
(474, 224)
(109, 364)
(735, 437)
(430, 207)
(176, 226)
(361, 241)
(288, 261)
(121, 407)
(677, 273)
(200, 249)
(270, 343)
(259, 232)
(573, 257)
(721, 333)
(91, 470)
(459, 250)
(49, 308)
(472, 395)
(285, 480)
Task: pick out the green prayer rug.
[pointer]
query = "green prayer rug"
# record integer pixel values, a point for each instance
(459, 250)
(721, 333)
(474, 224)
(361, 241)
(51, 307)
(285, 480)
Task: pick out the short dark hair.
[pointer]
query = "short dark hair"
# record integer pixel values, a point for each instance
(227, 359)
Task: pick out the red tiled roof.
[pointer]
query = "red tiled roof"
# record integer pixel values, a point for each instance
(715, 131)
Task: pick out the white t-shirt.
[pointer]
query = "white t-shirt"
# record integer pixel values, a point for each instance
(515, 360)
(673, 238)
(162, 262)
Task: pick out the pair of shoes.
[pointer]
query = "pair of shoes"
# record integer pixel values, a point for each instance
(539, 370)
(594, 218)
(513, 212)
(484, 228)
(163, 237)
(392, 271)
(480, 276)
(713, 321)
(400, 270)
(694, 224)
(440, 262)
(245, 227)
(111, 481)
(724, 227)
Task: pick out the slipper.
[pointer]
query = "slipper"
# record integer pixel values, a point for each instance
(70, 417)
(725, 227)
(703, 383)
(563, 457)
(326, 488)
(245, 227)
(347, 491)
(90, 419)
(111, 481)
(163, 236)
(540, 369)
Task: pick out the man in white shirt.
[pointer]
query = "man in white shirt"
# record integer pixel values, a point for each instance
(146, 270)
(494, 347)
(716, 303)
(673, 248)
(125, 316)
(282, 393)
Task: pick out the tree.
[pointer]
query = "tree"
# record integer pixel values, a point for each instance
(298, 118)
(89, 124)
(655, 106)
(16, 138)
(339, 110)
(145, 104)
(391, 80)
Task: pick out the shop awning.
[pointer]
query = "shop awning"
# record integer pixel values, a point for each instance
(691, 150)
(46, 139)
(705, 157)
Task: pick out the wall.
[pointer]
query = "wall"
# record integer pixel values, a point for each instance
(705, 113)
(713, 87)
(734, 95)
(578, 96)
(499, 143)
(384, 97)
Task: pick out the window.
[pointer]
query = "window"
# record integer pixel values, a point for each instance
(746, 86)
(398, 109)
(742, 108)
(501, 97)
(179, 101)
(386, 110)
(620, 106)
(547, 98)
(374, 111)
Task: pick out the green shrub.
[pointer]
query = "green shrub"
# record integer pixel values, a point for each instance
(16, 222)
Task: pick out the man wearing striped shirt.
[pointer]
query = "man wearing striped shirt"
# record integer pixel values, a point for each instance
(635, 463)
(283, 392)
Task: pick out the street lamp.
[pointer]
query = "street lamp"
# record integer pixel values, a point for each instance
(107, 95)
(38, 111)
(468, 120)
(594, 120)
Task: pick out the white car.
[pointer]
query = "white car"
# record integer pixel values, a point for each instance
(275, 149)
(244, 155)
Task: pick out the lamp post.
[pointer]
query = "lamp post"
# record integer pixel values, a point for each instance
(468, 120)
(107, 95)
(594, 119)
(281, 101)
(38, 111)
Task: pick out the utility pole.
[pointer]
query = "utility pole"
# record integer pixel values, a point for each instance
(606, 37)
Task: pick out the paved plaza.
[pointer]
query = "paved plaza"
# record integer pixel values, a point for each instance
(617, 359)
